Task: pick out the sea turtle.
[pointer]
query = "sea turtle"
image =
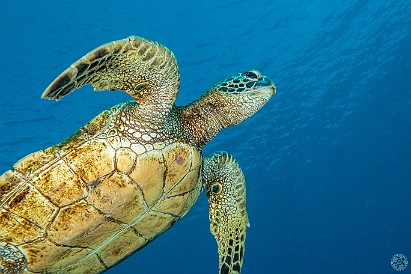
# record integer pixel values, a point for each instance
(129, 174)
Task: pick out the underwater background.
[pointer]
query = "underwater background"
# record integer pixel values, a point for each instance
(327, 160)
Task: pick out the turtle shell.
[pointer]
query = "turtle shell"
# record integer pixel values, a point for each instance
(85, 204)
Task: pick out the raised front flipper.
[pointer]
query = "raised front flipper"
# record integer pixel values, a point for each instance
(225, 186)
(144, 69)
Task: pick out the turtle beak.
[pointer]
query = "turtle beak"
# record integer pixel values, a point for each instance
(265, 88)
(272, 89)
(269, 84)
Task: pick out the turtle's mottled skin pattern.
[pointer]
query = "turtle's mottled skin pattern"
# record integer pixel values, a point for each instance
(124, 178)
(225, 186)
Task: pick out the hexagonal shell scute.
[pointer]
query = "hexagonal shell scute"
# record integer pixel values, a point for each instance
(61, 185)
(118, 197)
(82, 225)
(30, 204)
(92, 160)
(124, 245)
(45, 256)
(16, 229)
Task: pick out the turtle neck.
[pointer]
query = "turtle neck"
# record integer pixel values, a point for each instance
(196, 123)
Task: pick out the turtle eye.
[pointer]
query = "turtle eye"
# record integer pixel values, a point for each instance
(216, 188)
(252, 74)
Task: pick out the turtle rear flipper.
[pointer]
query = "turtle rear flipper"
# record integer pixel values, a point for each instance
(140, 67)
(225, 185)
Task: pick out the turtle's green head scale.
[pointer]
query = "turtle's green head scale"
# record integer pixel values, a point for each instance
(225, 104)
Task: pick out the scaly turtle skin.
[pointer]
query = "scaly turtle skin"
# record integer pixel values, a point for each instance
(228, 217)
(128, 175)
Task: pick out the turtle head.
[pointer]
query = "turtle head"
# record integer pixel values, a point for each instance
(240, 96)
(225, 104)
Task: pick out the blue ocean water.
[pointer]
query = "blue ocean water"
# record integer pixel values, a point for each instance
(327, 160)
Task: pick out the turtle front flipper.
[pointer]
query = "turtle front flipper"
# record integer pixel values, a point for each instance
(142, 68)
(225, 184)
